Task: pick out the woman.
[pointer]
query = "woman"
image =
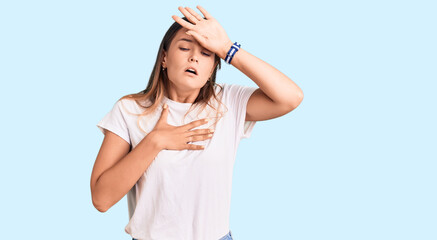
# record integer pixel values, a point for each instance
(160, 150)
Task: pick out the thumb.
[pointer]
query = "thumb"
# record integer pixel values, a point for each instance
(164, 114)
(197, 36)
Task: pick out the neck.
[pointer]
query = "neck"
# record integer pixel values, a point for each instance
(182, 96)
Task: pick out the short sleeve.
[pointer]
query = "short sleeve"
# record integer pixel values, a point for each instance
(115, 121)
(238, 97)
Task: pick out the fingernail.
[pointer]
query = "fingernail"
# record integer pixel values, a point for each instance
(207, 120)
(211, 130)
(165, 105)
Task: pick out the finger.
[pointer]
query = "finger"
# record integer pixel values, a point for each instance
(194, 147)
(204, 12)
(188, 15)
(199, 132)
(164, 114)
(199, 137)
(195, 14)
(199, 38)
(182, 22)
(196, 123)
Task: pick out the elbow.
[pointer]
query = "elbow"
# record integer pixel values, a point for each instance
(101, 207)
(300, 99)
(296, 101)
(97, 198)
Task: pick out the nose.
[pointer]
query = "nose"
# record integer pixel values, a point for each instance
(193, 59)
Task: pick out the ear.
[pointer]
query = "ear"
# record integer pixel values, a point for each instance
(164, 59)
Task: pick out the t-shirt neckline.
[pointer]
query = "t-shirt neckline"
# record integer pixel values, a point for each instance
(176, 104)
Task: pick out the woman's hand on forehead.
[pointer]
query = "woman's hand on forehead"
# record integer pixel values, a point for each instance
(207, 32)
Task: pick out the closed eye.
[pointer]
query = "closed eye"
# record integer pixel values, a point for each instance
(185, 49)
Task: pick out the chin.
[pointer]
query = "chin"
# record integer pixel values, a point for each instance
(190, 85)
(198, 85)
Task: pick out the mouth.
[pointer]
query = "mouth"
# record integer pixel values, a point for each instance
(190, 74)
(191, 71)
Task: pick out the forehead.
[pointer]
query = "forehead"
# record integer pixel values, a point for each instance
(182, 37)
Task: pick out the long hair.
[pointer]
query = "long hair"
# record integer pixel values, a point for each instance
(150, 98)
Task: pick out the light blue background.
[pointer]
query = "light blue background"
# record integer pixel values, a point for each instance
(356, 160)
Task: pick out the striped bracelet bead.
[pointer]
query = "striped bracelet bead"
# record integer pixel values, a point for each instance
(231, 52)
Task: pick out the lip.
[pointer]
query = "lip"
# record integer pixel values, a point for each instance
(190, 74)
(195, 69)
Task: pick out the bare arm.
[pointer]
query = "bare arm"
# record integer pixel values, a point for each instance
(275, 85)
(277, 94)
(116, 170)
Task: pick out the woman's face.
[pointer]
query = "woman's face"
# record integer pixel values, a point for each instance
(184, 53)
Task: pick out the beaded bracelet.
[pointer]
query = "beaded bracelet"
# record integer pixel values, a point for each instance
(231, 52)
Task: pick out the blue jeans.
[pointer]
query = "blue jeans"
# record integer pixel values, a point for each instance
(226, 237)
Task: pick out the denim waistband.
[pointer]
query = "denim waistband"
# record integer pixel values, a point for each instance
(227, 236)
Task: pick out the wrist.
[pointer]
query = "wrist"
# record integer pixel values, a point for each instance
(152, 140)
(225, 49)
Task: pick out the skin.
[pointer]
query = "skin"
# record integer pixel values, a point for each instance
(182, 54)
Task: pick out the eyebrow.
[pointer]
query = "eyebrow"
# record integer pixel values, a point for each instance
(185, 39)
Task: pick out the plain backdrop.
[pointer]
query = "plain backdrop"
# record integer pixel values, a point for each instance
(356, 160)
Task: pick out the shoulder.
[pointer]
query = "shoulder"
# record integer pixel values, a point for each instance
(131, 106)
(225, 88)
(125, 103)
(236, 90)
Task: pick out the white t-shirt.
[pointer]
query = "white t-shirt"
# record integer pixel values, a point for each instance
(184, 194)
